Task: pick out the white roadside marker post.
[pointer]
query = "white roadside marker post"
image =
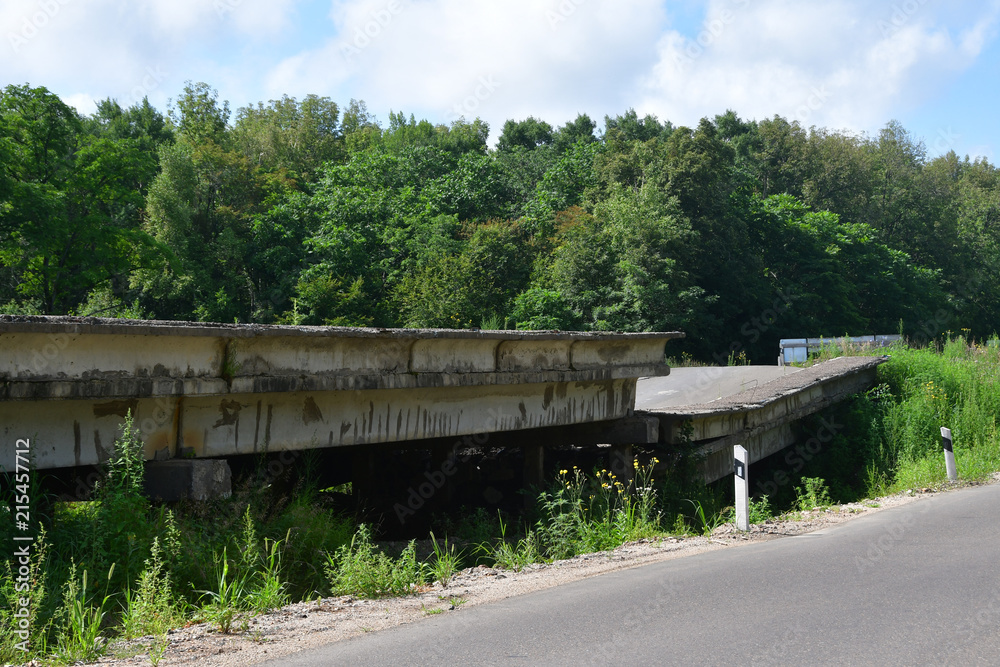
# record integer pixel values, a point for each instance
(740, 469)
(949, 454)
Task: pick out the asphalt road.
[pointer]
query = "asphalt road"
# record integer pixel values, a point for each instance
(695, 386)
(913, 585)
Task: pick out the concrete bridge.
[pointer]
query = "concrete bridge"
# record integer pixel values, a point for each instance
(200, 393)
(215, 390)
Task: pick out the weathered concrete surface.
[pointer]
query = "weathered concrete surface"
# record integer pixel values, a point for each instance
(702, 385)
(188, 480)
(760, 418)
(212, 390)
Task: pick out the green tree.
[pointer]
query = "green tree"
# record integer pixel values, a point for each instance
(480, 281)
(202, 206)
(198, 116)
(632, 128)
(287, 134)
(579, 129)
(72, 215)
(141, 122)
(622, 268)
(529, 133)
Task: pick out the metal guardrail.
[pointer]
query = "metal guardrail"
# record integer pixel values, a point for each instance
(798, 349)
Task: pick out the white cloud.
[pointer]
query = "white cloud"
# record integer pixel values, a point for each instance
(844, 64)
(126, 50)
(550, 59)
(82, 102)
(841, 63)
(181, 18)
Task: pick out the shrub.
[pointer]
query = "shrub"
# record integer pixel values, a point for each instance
(361, 569)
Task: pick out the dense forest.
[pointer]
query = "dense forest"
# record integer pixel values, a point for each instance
(302, 212)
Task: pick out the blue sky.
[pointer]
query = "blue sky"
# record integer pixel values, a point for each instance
(842, 64)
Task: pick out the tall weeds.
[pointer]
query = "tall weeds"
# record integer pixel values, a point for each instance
(957, 386)
(361, 569)
(583, 514)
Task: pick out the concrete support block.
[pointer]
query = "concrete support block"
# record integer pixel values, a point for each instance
(443, 466)
(364, 484)
(534, 468)
(188, 479)
(623, 463)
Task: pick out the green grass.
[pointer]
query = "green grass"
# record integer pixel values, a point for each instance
(957, 386)
(226, 602)
(760, 511)
(510, 554)
(80, 622)
(889, 439)
(447, 561)
(159, 562)
(813, 494)
(151, 607)
(361, 569)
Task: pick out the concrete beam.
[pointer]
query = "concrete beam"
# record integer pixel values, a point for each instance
(218, 390)
(60, 357)
(634, 430)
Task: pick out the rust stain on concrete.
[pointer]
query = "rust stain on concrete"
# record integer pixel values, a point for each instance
(230, 413)
(311, 412)
(117, 408)
(194, 441)
(103, 455)
(256, 428)
(76, 442)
